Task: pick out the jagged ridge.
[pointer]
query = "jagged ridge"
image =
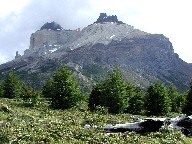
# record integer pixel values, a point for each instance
(104, 18)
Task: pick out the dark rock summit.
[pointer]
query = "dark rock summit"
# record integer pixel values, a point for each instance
(51, 26)
(104, 18)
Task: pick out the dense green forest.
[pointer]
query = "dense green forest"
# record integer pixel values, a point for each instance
(58, 112)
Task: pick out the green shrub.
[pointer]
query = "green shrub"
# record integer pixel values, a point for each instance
(30, 96)
(4, 136)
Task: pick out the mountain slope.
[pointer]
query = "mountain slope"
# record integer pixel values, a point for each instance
(142, 57)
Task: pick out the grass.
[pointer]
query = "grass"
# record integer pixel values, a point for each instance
(40, 124)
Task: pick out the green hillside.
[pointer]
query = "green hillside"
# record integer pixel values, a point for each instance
(21, 124)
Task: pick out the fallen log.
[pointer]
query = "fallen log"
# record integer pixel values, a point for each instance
(183, 123)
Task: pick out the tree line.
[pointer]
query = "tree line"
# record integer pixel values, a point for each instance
(113, 94)
(13, 88)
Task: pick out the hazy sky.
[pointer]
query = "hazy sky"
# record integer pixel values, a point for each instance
(20, 18)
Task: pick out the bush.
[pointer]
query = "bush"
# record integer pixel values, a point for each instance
(30, 96)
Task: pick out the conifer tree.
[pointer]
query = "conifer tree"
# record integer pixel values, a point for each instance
(187, 109)
(12, 86)
(95, 97)
(47, 91)
(110, 94)
(136, 101)
(157, 100)
(1, 88)
(175, 98)
(65, 90)
(115, 96)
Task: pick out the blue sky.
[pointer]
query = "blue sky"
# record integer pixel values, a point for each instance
(20, 18)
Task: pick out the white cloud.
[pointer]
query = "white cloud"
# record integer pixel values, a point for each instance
(3, 58)
(10, 6)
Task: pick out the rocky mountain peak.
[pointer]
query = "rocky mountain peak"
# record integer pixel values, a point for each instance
(143, 57)
(51, 26)
(52, 37)
(104, 18)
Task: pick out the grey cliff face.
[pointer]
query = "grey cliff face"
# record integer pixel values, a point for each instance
(47, 40)
(142, 57)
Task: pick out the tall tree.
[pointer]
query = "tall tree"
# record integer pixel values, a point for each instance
(157, 100)
(187, 109)
(95, 97)
(116, 96)
(1, 88)
(65, 90)
(136, 99)
(175, 98)
(110, 94)
(12, 86)
(47, 91)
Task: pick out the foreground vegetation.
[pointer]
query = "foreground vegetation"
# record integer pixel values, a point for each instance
(40, 124)
(61, 113)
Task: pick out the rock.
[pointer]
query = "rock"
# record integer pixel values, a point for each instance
(51, 26)
(17, 55)
(5, 108)
(1, 123)
(142, 127)
(150, 125)
(86, 126)
(183, 123)
(104, 18)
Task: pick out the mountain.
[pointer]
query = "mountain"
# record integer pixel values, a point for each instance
(142, 57)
